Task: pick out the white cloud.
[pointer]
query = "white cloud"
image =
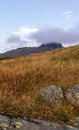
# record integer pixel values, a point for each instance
(49, 34)
(22, 37)
(29, 37)
(3, 45)
(26, 31)
(67, 15)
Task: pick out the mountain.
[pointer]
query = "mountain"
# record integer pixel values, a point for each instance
(31, 50)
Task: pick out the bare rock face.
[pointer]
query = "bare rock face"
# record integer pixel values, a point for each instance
(52, 95)
(72, 95)
(18, 123)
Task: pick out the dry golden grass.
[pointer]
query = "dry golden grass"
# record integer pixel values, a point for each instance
(22, 77)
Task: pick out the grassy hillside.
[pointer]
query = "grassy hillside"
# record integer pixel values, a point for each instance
(22, 77)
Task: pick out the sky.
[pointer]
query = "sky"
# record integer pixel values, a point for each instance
(28, 23)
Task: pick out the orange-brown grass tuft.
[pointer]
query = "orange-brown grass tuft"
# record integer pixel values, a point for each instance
(22, 77)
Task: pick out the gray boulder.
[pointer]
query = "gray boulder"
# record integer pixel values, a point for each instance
(72, 95)
(52, 95)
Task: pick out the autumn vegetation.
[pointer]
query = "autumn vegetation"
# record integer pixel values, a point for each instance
(22, 77)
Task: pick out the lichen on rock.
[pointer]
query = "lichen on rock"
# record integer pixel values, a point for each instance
(51, 95)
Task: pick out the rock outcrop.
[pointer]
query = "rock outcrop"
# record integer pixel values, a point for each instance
(18, 123)
(72, 95)
(52, 95)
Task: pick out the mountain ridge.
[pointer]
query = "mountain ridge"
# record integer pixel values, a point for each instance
(31, 50)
